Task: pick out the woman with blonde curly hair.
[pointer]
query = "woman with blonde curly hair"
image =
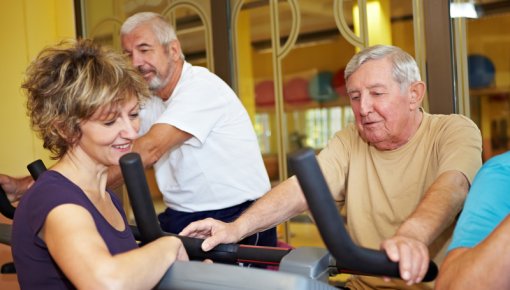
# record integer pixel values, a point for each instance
(69, 230)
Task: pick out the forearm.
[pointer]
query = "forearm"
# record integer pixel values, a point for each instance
(15, 187)
(138, 269)
(469, 268)
(438, 209)
(278, 205)
(148, 263)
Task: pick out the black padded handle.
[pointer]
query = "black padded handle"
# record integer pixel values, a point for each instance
(350, 257)
(35, 168)
(149, 229)
(140, 198)
(6, 207)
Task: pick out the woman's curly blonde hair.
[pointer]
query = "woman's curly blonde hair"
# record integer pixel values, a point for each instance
(70, 81)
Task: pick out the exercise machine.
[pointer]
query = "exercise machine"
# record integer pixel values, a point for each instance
(302, 267)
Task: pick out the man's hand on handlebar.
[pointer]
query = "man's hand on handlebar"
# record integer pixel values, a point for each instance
(412, 256)
(213, 232)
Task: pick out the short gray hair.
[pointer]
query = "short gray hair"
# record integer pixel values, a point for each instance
(405, 69)
(164, 31)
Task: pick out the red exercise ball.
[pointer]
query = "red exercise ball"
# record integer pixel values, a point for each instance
(296, 90)
(264, 93)
(338, 83)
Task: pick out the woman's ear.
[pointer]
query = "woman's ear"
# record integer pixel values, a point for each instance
(70, 135)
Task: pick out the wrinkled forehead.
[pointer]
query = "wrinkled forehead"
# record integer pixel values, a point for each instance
(139, 36)
(373, 69)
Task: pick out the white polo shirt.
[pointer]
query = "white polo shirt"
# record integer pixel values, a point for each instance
(221, 165)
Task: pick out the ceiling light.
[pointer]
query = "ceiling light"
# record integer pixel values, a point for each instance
(466, 10)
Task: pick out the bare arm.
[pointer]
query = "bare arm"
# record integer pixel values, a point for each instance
(468, 268)
(438, 209)
(15, 187)
(74, 243)
(151, 146)
(278, 205)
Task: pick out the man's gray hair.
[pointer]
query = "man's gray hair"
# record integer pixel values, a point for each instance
(164, 32)
(405, 69)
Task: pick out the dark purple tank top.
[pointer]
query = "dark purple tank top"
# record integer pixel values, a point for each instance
(34, 266)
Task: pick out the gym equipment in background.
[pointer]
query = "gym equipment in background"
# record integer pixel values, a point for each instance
(320, 87)
(264, 93)
(481, 71)
(295, 91)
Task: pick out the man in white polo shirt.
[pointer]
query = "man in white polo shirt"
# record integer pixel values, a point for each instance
(195, 132)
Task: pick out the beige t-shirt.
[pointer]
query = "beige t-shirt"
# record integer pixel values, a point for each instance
(378, 190)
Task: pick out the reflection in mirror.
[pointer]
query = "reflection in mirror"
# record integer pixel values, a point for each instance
(103, 19)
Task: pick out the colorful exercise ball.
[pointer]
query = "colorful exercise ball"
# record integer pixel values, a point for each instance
(480, 71)
(264, 93)
(338, 83)
(295, 90)
(320, 88)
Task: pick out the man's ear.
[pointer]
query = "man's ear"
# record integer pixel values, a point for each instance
(174, 47)
(417, 91)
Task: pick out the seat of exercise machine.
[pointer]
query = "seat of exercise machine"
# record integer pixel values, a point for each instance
(350, 258)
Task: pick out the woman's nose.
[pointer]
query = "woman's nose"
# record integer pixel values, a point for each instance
(129, 130)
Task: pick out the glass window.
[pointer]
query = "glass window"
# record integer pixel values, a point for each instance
(488, 64)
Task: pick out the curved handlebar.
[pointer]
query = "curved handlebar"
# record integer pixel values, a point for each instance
(350, 257)
(149, 229)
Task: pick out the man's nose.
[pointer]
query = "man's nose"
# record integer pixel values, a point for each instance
(366, 105)
(136, 59)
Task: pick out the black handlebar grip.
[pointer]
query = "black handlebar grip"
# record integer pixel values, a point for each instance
(350, 257)
(223, 253)
(6, 207)
(261, 255)
(36, 168)
(140, 197)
